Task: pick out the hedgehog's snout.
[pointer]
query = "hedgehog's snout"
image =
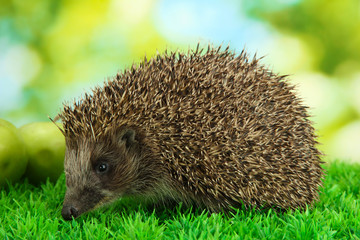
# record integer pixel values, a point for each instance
(80, 200)
(69, 212)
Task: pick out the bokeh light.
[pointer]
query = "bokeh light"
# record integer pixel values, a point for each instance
(52, 51)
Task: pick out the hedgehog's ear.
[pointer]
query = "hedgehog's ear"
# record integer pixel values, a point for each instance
(127, 137)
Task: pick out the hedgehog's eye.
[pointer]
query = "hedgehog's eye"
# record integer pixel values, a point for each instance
(102, 168)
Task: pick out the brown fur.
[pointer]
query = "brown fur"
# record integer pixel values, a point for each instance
(216, 129)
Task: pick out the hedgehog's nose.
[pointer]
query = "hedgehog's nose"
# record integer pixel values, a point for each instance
(69, 212)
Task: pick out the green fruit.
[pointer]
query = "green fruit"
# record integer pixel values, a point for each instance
(7, 124)
(45, 145)
(13, 159)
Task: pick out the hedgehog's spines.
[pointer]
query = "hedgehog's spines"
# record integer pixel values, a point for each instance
(54, 122)
(218, 49)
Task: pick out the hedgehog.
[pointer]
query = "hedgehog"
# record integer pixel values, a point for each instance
(206, 127)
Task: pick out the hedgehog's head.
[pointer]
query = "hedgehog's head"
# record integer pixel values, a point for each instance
(100, 170)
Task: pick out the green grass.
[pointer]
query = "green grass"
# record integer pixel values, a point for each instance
(28, 212)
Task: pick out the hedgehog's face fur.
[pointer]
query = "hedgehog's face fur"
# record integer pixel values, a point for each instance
(100, 171)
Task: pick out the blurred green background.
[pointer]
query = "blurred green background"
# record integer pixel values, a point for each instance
(54, 50)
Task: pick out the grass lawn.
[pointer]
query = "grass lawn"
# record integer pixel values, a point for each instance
(28, 212)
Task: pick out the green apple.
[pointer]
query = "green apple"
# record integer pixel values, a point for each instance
(45, 146)
(7, 124)
(13, 159)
